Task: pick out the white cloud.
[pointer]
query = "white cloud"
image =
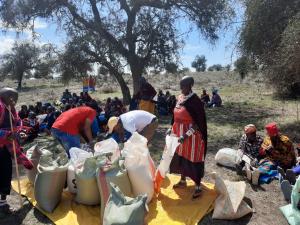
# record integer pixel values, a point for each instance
(6, 44)
(38, 24)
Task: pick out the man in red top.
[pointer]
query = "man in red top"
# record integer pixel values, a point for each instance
(72, 124)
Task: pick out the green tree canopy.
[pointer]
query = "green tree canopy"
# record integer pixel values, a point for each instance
(120, 33)
(199, 63)
(25, 58)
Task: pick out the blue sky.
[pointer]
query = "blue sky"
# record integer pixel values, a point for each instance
(222, 52)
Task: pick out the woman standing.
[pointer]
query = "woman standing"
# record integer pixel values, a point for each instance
(189, 124)
(8, 100)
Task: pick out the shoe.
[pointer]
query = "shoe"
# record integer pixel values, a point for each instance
(286, 189)
(291, 176)
(5, 211)
(239, 169)
(248, 172)
(255, 177)
(180, 184)
(197, 192)
(281, 172)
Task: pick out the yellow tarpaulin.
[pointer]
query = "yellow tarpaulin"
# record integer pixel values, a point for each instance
(171, 207)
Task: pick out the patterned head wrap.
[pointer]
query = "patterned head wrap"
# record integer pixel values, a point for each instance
(249, 129)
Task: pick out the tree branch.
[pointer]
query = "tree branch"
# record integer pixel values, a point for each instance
(98, 28)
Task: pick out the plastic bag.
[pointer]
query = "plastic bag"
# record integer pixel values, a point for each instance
(34, 155)
(122, 210)
(77, 158)
(140, 166)
(226, 157)
(291, 211)
(164, 165)
(50, 180)
(229, 204)
(114, 174)
(86, 183)
(109, 146)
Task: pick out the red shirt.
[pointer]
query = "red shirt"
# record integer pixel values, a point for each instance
(73, 120)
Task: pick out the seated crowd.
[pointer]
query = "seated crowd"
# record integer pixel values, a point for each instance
(264, 159)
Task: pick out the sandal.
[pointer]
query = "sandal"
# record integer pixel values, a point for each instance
(291, 176)
(197, 192)
(180, 184)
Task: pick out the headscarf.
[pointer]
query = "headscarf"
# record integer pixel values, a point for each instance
(249, 129)
(187, 80)
(272, 129)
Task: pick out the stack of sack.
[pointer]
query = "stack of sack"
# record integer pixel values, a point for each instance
(126, 183)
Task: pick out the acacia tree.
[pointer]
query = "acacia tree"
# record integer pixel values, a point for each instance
(119, 33)
(21, 60)
(199, 63)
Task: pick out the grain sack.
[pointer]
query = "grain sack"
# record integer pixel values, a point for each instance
(229, 204)
(116, 175)
(226, 157)
(107, 146)
(50, 180)
(77, 159)
(140, 166)
(123, 210)
(86, 183)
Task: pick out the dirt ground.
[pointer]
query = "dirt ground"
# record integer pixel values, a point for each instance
(244, 103)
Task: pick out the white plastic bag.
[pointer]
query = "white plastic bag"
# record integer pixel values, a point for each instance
(106, 147)
(78, 157)
(170, 148)
(226, 157)
(229, 204)
(140, 166)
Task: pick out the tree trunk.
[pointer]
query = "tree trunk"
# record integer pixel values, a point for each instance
(20, 78)
(136, 73)
(124, 88)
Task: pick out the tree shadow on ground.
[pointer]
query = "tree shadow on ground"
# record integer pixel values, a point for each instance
(292, 131)
(238, 114)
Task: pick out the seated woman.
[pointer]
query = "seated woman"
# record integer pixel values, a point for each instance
(216, 100)
(31, 126)
(205, 97)
(23, 113)
(276, 150)
(249, 146)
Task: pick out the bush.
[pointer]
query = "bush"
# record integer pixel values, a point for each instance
(199, 63)
(284, 72)
(107, 89)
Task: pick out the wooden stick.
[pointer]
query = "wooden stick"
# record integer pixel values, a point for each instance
(15, 157)
(297, 111)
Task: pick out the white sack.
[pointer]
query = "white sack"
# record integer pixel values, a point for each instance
(140, 166)
(77, 158)
(170, 148)
(229, 204)
(226, 157)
